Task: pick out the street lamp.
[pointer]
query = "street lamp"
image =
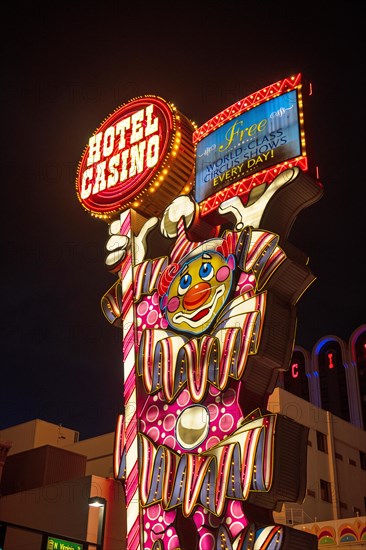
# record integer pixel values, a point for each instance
(101, 503)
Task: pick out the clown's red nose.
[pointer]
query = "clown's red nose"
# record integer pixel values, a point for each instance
(196, 296)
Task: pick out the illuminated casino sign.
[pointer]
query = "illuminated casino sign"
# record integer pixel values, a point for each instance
(141, 147)
(250, 143)
(201, 459)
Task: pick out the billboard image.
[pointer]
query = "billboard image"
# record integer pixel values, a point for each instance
(255, 140)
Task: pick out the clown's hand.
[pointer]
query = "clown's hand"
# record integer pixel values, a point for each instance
(182, 208)
(252, 213)
(118, 244)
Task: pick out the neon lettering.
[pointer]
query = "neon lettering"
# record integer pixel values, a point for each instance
(137, 130)
(295, 370)
(121, 128)
(136, 138)
(86, 185)
(94, 148)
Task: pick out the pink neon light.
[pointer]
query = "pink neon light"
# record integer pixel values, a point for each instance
(295, 370)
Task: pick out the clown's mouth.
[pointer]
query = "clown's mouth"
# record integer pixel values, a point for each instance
(201, 315)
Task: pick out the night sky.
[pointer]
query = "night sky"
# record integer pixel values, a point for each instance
(66, 68)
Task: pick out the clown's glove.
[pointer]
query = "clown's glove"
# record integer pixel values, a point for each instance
(118, 244)
(252, 213)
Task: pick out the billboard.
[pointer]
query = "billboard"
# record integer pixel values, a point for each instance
(257, 139)
(249, 143)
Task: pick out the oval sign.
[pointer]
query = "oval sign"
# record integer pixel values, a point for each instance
(127, 157)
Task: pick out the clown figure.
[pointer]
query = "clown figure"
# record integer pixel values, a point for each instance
(207, 445)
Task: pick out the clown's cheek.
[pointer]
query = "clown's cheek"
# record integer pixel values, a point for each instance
(173, 304)
(222, 274)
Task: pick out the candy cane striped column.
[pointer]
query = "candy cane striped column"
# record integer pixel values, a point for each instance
(130, 395)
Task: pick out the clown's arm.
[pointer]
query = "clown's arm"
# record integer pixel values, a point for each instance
(120, 247)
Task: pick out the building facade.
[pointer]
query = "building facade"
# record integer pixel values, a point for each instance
(332, 376)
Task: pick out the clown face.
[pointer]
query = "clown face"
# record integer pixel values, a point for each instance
(198, 292)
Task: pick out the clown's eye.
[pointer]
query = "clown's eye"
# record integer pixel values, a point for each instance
(206, 271)
(184, 284)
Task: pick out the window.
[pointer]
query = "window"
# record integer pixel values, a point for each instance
(356, 511)
(343, 505)
(352, 462)
(339, 456)
(310, 493)
(325, 491)
(363, 460)
(321, 440)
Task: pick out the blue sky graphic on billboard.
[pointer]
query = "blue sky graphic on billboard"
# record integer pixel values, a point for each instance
(255, 140)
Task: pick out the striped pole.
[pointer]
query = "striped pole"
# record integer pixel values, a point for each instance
(130, 395)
